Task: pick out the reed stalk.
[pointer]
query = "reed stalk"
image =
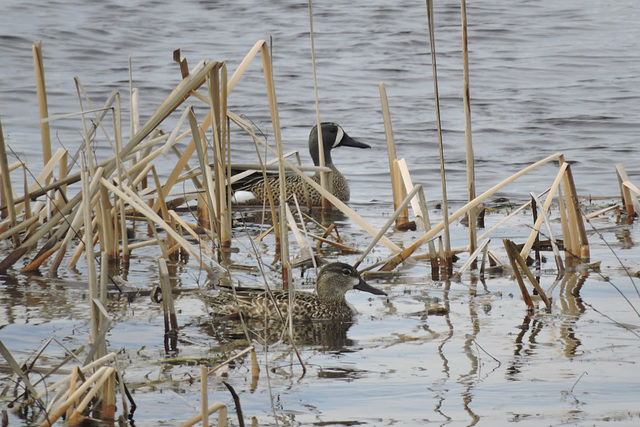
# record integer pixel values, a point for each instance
(7, 189)
(513, 254)
(218, 98)
(204, 396)
(400, 209)
(578, 230)
(88, 244)
(119, 204)
(168, 308)
(629, 200)
(407, 183)
(443, 181)
(399, 192)
(552, 238)
(555, 187)
(466, 100)
(481, 249)
(324, 177)
(275, 120)
(208, 206)
(41, 87)
(518, 263)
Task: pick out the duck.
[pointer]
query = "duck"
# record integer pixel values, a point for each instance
(251, 191)
(327, 303)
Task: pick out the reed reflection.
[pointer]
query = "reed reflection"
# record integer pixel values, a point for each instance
(572, 309)
(325, 335)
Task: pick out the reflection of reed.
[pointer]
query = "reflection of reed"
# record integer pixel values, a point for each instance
(326, 335)
(467, 397)
(533, 325)
(572, 308)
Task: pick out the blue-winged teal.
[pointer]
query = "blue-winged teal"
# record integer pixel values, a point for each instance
(334, 280)
(252, 191)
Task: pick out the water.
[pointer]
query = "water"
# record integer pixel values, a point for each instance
(546, 77)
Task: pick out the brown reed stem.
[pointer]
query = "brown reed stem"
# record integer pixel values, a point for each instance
(38, 64)
(443, 181)
(7, 190)
(399, 191)
(466, 99)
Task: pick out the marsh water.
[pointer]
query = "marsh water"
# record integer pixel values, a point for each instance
(545, 77)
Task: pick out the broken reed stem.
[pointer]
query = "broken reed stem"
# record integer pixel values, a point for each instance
(512, 253)
(396, 214)
(38, 65)
(443, 181)
(576, 220)
(518, 263)
(481, 249)
(221, 408)
(397, 188)
(552, 238)
(629, 200)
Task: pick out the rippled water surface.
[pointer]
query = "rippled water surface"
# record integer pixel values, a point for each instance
(545, 77)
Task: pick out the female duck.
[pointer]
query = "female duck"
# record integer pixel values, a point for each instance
(334, 280)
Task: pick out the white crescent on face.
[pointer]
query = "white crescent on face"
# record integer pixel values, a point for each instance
(339, 137)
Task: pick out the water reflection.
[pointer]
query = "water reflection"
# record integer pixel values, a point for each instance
(324, 335)
(571, 309)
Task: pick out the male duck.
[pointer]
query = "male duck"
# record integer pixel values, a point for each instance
(334, 280)
(252, 191)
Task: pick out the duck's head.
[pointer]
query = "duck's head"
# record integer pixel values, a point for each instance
(335, 279)
(332, 136)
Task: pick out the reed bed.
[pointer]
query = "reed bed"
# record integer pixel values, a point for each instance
(54, 219)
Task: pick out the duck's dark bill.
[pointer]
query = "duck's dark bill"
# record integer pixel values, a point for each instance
(364, 286)
(347, 141)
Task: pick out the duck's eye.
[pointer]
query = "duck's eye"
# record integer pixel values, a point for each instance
(346, 271)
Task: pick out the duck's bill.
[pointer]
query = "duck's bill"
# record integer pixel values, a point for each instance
(347, 141)
(365, 287)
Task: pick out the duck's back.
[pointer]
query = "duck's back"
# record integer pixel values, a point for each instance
(306, 306)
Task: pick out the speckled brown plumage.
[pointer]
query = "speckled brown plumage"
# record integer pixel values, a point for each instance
(329, 302)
